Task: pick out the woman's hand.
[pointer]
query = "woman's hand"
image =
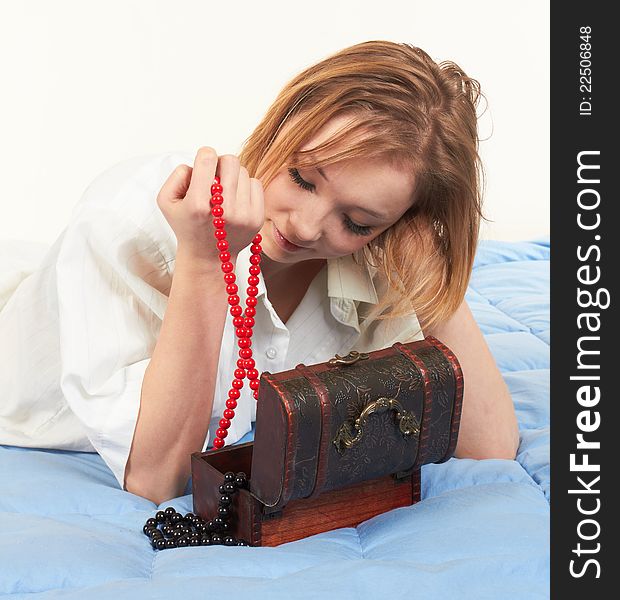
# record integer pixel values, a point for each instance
(184, 200)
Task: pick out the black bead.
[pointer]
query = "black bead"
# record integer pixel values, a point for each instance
(216, 539)
(225, 500)
(242, 474)
(151, 522)
(161, 516)
(178, 534)
(157, 535)
(241, 481)
(201, 527)
(229, 540)
(225, 526)
(224, 512)
(147, 529)
(229, 476)
(182, 542)
(205, 540)
(241, 543)
(169, 511)
(175, 518)
(170, 544)
(221, 489)
(217, 523)
(167, 529)
(161, 544)
(188, 516)
(230, 488)
(194, 542)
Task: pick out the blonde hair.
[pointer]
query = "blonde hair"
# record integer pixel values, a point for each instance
(415, 114)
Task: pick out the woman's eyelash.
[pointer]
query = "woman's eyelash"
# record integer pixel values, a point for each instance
(302, 183)
(297, 178)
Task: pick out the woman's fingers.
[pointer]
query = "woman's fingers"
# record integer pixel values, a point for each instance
(257, 202)
(203, 174)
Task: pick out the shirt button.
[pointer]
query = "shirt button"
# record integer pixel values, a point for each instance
(271, 352)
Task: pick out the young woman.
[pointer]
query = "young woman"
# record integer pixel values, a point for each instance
(363, 180)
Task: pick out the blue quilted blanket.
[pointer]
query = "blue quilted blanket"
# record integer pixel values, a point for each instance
(480, 531)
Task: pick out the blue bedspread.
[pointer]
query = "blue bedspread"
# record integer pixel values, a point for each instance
(480, 531)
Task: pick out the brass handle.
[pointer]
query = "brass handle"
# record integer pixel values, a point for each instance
(351, 433)
(349, 359)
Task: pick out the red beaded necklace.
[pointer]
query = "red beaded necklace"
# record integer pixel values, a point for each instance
(243, 325)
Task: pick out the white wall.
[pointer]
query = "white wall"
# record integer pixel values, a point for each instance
(86, 84)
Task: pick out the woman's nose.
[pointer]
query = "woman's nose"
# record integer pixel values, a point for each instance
(308, 226)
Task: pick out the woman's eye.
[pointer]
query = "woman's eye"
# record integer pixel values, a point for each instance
(357, 229)
(297, 178)
(351, 226)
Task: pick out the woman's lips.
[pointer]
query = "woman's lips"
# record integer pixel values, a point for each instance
(283, 242)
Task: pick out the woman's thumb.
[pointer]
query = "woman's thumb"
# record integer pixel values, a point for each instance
(176, 186)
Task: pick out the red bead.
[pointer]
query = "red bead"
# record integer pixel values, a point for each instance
(230, 278)
(249, 333)
(232, 288)
(218, 443)
(251, 301)
(255, 269)
(231, 403)
(220, 234)
(224, 256)
(252, 290)
(245, 352)
(233, 300)
(236, 310)
(249, 322)
(216, 199)
(219, 223)
(241, 332)
(250, 311)
(239, 373)
(221, 433)
(217, 211)
(252, 374)
(234, 393)
(224, 423)
(238, 321)
(252, 280)
(216, 179)
(254, 383)
(241, 363)
(227, 267)
(258, 238)
(222, 245)
(255, 394)
(255, 259)
(249, 363)
(216, 188)
(255, 249)
(244, 342)
(228, 413)
(237, 383)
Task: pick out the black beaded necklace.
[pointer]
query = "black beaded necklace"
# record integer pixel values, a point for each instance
(178, 531)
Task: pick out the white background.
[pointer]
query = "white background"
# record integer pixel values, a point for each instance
(87, 84)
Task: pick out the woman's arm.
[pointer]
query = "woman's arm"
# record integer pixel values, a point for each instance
(489, 426)
(179, 383)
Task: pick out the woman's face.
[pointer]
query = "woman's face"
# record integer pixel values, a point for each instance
(328, 214)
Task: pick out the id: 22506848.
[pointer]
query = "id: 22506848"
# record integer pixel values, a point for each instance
(585, 70)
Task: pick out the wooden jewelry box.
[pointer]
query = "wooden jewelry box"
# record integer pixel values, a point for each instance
(338, 442)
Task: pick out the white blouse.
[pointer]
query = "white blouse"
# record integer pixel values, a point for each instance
(78, 332)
